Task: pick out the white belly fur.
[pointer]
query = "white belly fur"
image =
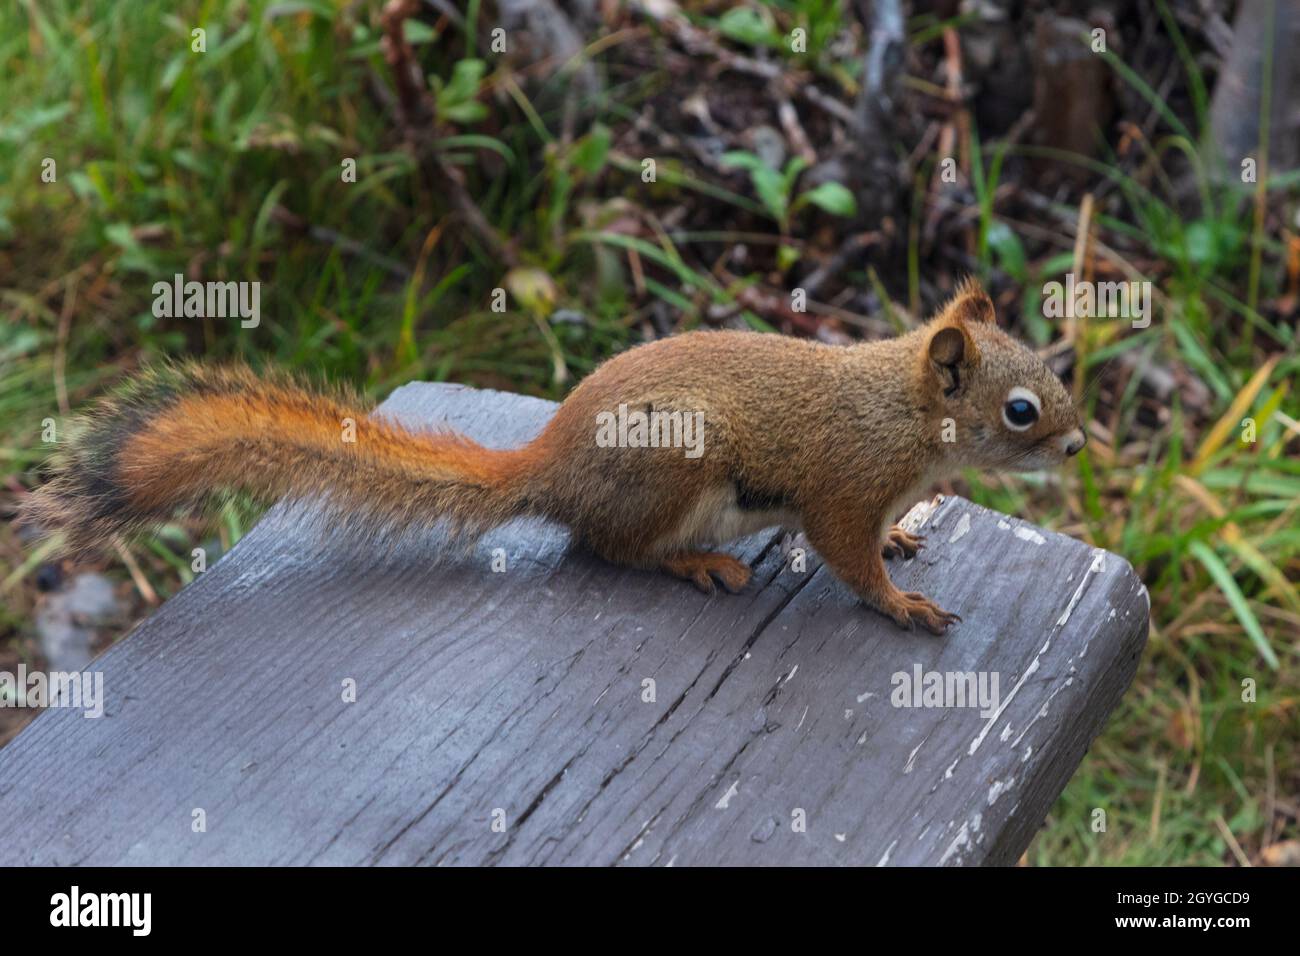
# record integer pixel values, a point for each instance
(715, 519)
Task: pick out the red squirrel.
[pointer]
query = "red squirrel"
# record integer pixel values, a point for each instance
(828, 439)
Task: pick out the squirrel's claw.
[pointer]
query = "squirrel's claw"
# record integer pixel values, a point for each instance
(899, 542)
(702, 567)
(912, 608)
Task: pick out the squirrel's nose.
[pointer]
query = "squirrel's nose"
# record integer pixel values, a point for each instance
(1075, 441)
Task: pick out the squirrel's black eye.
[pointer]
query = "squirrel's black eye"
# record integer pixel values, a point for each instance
(1019, 413)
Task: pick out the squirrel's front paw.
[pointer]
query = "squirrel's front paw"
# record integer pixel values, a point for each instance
(898, 541)
(909, 608)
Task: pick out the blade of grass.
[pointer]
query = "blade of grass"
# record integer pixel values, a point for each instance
(1217, 435)
(1236, 600)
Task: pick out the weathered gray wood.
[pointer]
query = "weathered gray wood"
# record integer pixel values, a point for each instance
(523, 691)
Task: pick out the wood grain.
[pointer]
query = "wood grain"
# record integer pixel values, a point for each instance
(524, 692)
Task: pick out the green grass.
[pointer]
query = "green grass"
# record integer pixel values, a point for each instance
(172, 161)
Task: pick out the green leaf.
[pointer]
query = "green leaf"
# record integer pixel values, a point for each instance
(291, 8)
(475, 141)
(747, 25)
(1236, 600)
(134, 257)
(793, 168)
(1211, 242)
(119, 233)
(1007, 247)
(771, 188)
(465, 78)
(25, 122)
(470, 112)
(417, 32)
(833, 198)
(739, 159)
(457, 99)
(1195, 355)
(590, 152)
(171, 73)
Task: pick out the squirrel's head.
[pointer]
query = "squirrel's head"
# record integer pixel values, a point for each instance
(1011, 412)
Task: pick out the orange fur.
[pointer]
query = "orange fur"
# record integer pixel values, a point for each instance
(796, 433)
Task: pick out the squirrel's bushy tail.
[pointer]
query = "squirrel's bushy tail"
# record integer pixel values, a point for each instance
(183, 436)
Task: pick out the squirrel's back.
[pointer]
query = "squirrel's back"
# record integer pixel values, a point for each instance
(185, 436)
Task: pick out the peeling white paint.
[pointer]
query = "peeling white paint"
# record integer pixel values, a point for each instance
(911, 758)
(1025, 533)
(726, 797)
(1006, 733)
(919, 514)
(1000, 787)
(884, 860)
(1003, 525)
(867, 696)
(841, 837)
(790, 676)
(1028, 751)
(1042, 711)
(1098, 565)
(848, 713)
(962, 529)
(801, 718)
(1006, 702)
(960, 840)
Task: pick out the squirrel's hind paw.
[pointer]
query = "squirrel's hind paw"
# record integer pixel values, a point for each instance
(701, 567)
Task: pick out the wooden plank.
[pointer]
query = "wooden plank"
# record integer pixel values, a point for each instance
(524, 691)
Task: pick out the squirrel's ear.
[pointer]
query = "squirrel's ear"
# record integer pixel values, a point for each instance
(971, 303)
(947, 346)
(949, 349)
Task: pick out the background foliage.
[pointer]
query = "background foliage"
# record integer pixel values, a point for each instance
(226, 165)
